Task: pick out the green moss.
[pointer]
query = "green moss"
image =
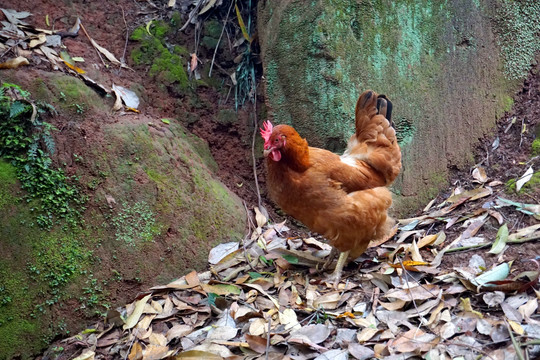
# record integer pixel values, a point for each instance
(167, 67)
(8, 177)
(74, 96)
(517, 26)
(529, 186)
(535, 148)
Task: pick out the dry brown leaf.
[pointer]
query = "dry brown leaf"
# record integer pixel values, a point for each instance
(328, 301)
(258, 327)
(414, 340)
(479, 174)
(178, 331)
(197, 355)
(423, 292)
(256, 343)
(136, 352)
(394, 305)
(14, 63)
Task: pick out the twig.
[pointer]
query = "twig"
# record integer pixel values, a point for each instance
(255, 125)
(123, 58)
(268, 337)
(89, 38)
(219, 40)
(244, 238)
(515, 343)
(410, 293)
(521, 131)
(130, 346)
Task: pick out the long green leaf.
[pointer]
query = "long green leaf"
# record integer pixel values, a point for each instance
(242, 24)
(500, 240)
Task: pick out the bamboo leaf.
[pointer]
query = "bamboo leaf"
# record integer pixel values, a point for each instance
(500, 240)
(242, 24)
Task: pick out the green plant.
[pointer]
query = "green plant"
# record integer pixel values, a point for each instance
(135, 224)
(26, 140)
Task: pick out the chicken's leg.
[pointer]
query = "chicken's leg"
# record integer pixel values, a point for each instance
(336, 275)
(328, 261)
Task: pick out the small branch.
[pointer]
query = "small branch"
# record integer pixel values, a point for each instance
(123, 58)
(89, 38)
(245, 237)
(268, 336)
(219, 40)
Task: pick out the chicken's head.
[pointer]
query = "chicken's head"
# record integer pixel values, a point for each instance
(273, 141)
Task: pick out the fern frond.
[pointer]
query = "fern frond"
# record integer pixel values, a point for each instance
(17, 108)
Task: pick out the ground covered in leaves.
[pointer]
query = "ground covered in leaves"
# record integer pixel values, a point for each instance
(457, 280)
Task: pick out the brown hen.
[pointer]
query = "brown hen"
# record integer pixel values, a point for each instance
(344, 198)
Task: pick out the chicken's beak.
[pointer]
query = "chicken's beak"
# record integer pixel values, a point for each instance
(267, 152)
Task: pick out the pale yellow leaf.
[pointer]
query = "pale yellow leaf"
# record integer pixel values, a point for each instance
(427, 240)
(157, 339)
(132, 320)
(86, 355)
(517, 328)
(14, 63)
(289, 320)
(259, 217)
(366, 334)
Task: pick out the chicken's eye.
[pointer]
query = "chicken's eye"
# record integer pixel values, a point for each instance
(275, 140)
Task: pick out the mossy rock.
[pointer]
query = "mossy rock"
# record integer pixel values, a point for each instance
(434, 60)
(168, 67)
(155, 210)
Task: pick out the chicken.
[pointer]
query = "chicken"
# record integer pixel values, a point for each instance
(344, 198)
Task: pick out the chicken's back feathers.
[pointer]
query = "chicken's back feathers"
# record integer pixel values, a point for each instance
(373, 149)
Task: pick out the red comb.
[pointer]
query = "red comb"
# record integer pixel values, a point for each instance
(267, 132)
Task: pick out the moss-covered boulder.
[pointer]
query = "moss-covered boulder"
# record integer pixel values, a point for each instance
(151, 210)
(450, 68)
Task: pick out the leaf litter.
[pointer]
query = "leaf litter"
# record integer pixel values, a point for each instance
(262, 298)
(27, 42)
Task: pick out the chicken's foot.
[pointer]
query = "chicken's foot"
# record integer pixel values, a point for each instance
(336, 275)
(329, 260)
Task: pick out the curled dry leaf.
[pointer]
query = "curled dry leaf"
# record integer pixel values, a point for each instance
(14, 63)
(479, 174)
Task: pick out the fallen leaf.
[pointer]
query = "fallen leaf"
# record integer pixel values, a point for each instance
(221, 289)
(222, 250)
(178, 331)
(360, 352)
(14, 63)
(197, 355)
(328, 301)
(423, 292)
(256, 343)
(479, 174)
(524, 178)
(499, 272)
(335, 354)
(500, 241)
(132, 320)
